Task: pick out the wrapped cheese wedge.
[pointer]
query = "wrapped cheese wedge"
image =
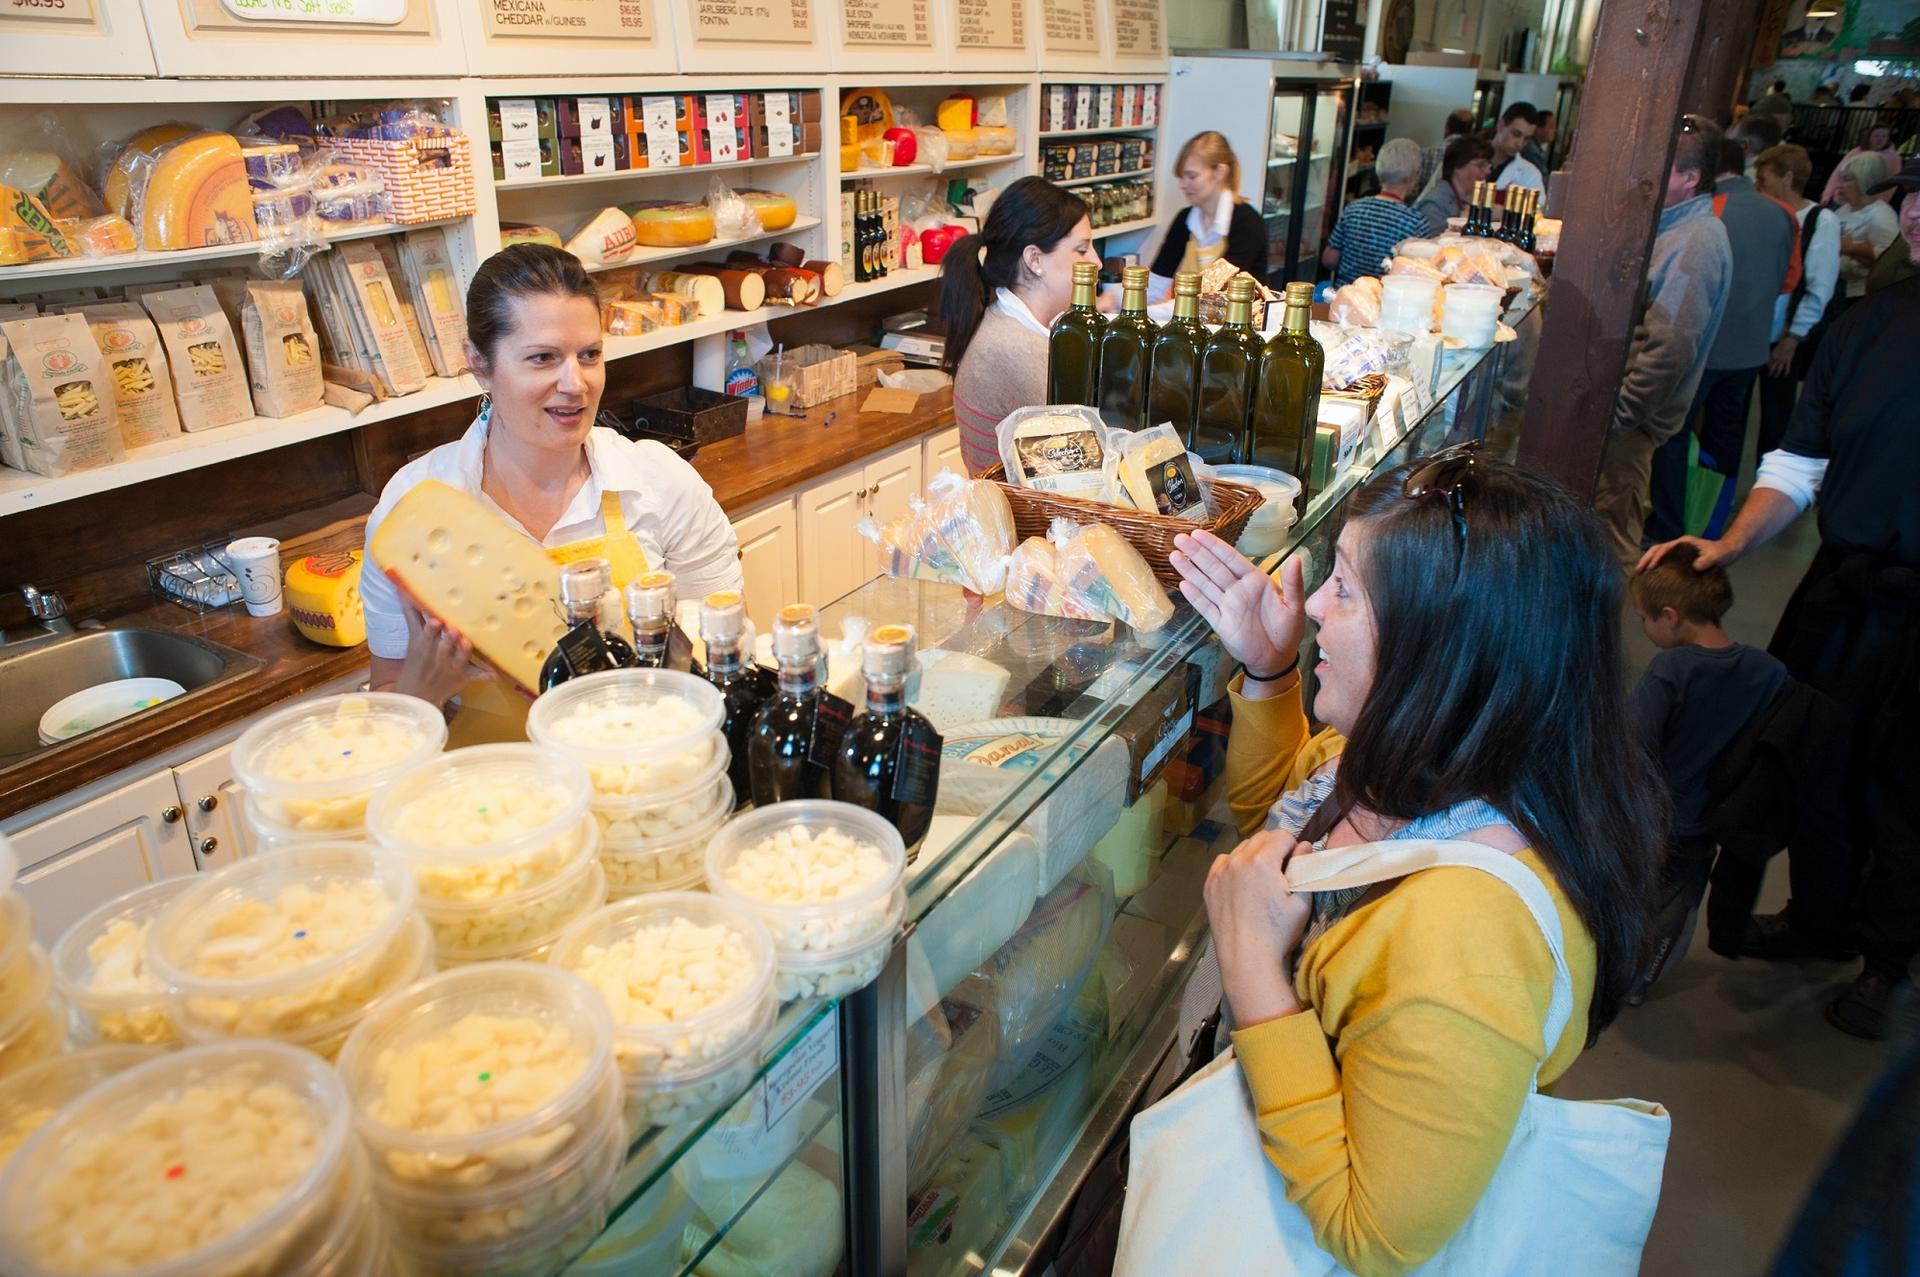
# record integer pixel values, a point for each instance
(1094, 575)
(606, 240)
(961, 534)
(1034, 584)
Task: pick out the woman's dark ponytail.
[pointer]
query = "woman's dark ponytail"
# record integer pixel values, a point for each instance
(1031, 211)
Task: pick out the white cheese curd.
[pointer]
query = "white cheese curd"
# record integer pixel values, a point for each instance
(801, 866)
(650, 1103)
(658, 976)
(481, 1071)
(656, 848)
(500, 1218)
(19, 1128)
(635, 733)
(347, 747)
(836, 979)
(183, 1171)
(652, 868)
(120, 971)
(32, 1096)
(508, 928)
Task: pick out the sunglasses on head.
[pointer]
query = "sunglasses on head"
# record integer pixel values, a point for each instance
(1446, 473)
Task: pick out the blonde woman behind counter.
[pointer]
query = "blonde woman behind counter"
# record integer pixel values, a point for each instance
(535, 456)
(1000, 291)
(1217, 223)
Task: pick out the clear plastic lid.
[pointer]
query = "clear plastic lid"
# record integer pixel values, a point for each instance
(696, 1036)
(482, 803)
(29, 978)
(102, 966)
(295, 940)
(32, 1096)
(618, 715)
(834, 925)
(517, 929)
(422, 1026)
(156, 1146)
(311, 767)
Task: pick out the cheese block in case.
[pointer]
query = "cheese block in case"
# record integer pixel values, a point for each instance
(468, 569)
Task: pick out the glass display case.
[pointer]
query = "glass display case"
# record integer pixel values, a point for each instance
(1311, 125)
(942, 1119)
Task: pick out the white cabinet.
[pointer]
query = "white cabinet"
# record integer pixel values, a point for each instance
(363, 38)
(835, 559)
(86, 856)
(101, 37)
(769, 560)
(942, 452)
(210, 798)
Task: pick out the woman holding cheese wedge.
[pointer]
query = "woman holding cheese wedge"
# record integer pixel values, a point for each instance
(534, 459)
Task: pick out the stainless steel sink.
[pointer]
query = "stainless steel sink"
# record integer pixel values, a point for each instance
(36, 673)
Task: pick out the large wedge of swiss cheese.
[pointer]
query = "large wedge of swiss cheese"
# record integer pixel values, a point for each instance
(466, 567)
(197, 195)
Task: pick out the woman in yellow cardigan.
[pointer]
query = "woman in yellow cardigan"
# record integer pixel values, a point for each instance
(1469, 673)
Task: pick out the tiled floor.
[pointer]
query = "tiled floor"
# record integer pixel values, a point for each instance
(1760, 1087)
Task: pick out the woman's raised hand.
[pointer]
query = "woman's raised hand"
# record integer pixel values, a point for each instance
(1260, 619)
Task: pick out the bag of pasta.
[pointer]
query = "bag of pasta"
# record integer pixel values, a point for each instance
(209, 381)
(62, 395)
(142, 390)
(283, 362)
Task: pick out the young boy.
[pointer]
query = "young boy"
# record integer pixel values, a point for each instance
(1695, 697)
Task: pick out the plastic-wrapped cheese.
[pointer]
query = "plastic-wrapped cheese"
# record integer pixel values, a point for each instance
(606, 240)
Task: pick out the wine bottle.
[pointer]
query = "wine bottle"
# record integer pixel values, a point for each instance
(1173, 382)
(1286, 407)
(1229, 372)
(1529, 214)
(1509, 216)
(723, 623)
(780, 762)
(585, 648)
(1126, 347)
(658, 641)
(1073, 345)
(1476, 212)
(889, 760)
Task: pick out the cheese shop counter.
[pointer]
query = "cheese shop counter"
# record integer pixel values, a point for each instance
(978, 1055)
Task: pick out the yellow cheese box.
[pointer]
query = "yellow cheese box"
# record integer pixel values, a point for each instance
(323, 595)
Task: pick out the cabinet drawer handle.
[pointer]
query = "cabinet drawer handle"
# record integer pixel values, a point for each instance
(208, 802)
(172, 813)
(208, 846)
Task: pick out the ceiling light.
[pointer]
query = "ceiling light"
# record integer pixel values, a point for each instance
(1823, 13)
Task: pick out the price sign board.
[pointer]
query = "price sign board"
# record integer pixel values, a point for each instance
(893, 23)
(990, 24)
(1070, 26)
(1139, 29)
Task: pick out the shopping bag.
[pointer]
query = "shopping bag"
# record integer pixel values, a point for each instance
(1574, 1193)
(1704, 487)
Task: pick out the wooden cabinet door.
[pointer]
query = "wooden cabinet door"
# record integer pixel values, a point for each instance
(892, 480)
(210, 797)
(831, 558)
(769, 560)
(84, 857)
(942, 452)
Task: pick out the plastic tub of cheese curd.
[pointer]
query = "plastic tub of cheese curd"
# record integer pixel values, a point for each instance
(30, 1098)
(102, 969)
(218, 1161)
(21, 988)
(310, 769)
(641, 733)
(295, 945)
(663, 848)
(481, 1077)
(826, 880)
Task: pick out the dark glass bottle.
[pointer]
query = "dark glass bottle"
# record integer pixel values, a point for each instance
(723, 623)
(1173, 387)
(1229, 372)
(1471, 228)
(585, 648)
(658, 641)
(1073, 346)
(1529, 214)
(889, 760)
(1509, 216)
(1286, 408)
(1126, 347)
(780, 744)
(858, 239)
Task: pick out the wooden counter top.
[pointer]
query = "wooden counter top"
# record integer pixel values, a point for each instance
(774, 456)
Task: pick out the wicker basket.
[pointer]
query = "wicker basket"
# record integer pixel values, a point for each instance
(1229, 506)
(426, 179)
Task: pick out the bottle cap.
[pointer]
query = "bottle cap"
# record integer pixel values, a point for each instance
(1086, 273)
(796, 635)
(650, 599)
(888, 655)
(1134, 277)
(1240, 288)
(1300, 293)
(723, 618)
(583, 582)
(1186, 284)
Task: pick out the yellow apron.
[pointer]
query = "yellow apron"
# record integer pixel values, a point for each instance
(1197, 259)
(493, 710)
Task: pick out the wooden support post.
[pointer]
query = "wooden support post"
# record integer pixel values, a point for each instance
(1726, 42)
(1629, 110)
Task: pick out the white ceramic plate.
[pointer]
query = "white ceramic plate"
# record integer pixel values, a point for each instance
(108, 702)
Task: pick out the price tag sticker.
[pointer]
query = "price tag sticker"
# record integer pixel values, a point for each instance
(518, 119)
(811, 1061)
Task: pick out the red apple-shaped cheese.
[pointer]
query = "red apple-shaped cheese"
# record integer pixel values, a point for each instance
(905, 145)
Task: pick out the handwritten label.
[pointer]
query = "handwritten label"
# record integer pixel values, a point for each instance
(752, 21)
(378, 13)
(895, 23)
(571, 19)
(1136, 28)
(991, 24)
(1070, 26)
(803, 1068)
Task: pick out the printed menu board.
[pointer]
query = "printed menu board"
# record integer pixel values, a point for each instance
(990, 24)
(888, 22)
(1072, 26)
(752, 21)
(1136, 28)
(571, 19)
(42, 15)
(346, 13)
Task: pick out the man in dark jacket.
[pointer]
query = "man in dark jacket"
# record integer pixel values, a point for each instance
(1852, 628)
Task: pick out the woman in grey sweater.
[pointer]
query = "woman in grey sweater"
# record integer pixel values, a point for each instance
(1000, 291)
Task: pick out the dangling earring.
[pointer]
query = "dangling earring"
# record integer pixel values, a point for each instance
(486, 406)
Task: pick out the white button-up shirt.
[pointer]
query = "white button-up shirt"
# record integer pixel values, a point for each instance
(669, 510)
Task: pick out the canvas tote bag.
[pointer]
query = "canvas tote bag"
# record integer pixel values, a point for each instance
(1575, 1191)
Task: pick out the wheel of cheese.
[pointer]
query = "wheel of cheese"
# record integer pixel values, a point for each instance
(994, 140)
(132, 158)
(872, 112)
(671, 225)
(197, 195)
(775, 209)
(962, 144)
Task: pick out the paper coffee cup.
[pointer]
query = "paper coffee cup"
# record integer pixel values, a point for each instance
(256, 562)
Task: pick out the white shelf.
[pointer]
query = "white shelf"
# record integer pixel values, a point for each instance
(711, 326)
(224, 443)
(641, 256)
(1125, 228)
(908, 170)
(1049, 134)
(640, 174)
(1106, 177)
(172, 257)
(1283, 161)
(898, 279)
